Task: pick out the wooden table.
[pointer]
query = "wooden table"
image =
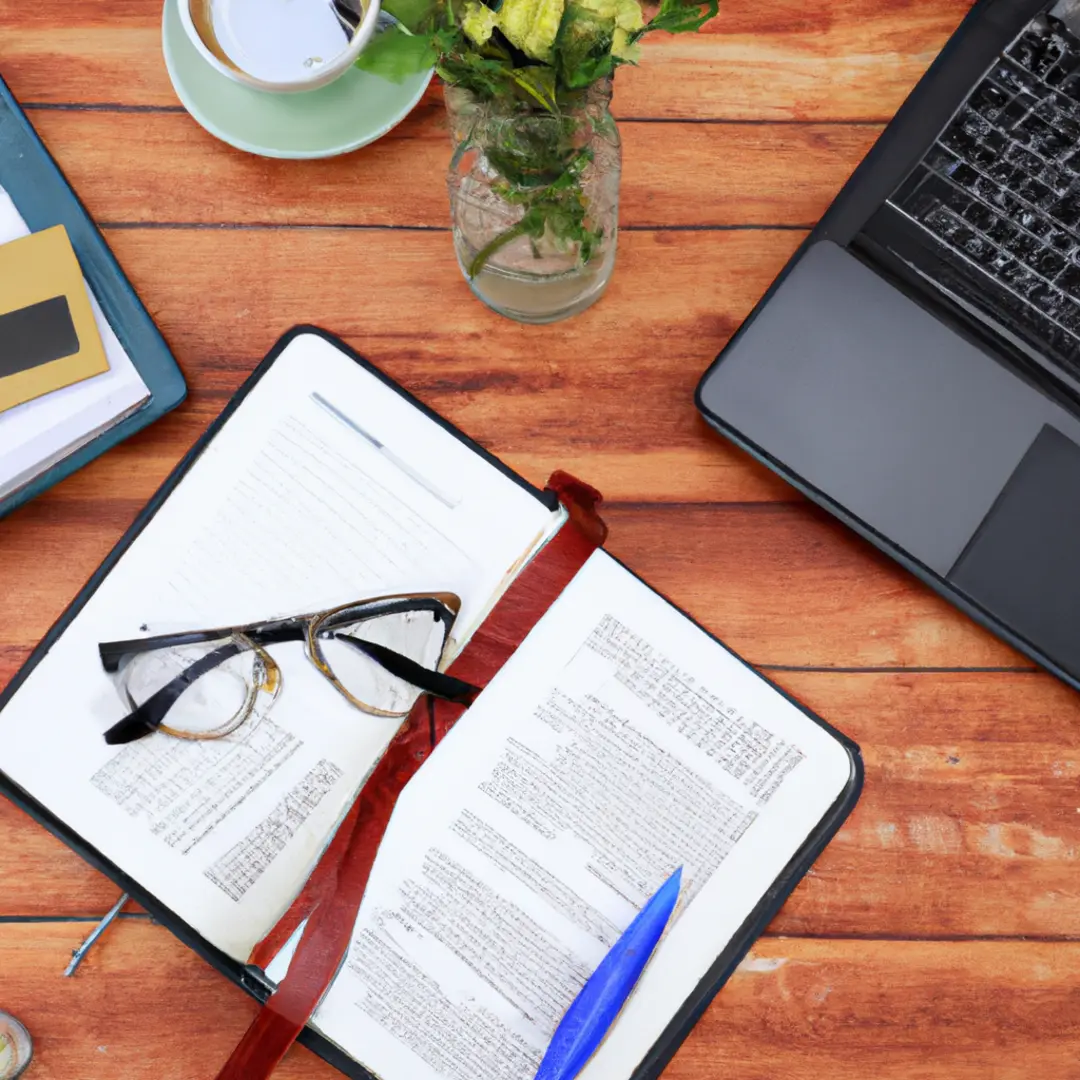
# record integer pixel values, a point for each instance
(939, 935)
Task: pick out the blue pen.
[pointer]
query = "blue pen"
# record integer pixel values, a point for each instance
(602, 997)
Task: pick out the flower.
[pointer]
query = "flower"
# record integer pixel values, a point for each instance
(478, 22)
(623, 47)
(532, 25)
(535, 61)
(626, 14)
(539, 52)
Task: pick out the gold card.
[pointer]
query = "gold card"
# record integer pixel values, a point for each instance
(48, 337)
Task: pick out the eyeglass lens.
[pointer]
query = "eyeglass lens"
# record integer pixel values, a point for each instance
(237, 674)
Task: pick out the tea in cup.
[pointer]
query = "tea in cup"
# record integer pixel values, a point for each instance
(280, 46)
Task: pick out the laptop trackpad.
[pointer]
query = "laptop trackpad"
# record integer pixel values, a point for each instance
(1023, 565)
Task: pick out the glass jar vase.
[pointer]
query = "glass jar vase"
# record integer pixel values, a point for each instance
(534, 201)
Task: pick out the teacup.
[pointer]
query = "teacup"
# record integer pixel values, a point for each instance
(280, 46)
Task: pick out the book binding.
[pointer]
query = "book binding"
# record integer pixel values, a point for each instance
(330, 901)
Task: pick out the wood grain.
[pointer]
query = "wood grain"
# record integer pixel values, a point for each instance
(889, 1010)
(791, 59)
(786, 585)
(144, 1008)
(531, 391)
(530, 394)
(938, 937)
(685, 290)
(970, 820)
(162, 167)
(141, 1006)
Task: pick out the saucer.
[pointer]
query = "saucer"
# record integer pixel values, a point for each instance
(351, 112)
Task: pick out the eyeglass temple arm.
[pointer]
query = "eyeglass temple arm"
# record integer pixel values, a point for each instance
(433, 682)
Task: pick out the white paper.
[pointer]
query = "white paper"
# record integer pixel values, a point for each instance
(288, 511)
(618, 743)
(40, 432)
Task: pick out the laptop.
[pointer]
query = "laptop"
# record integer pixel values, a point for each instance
(915, 368)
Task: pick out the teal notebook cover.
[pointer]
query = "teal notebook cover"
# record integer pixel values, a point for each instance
(44, 198)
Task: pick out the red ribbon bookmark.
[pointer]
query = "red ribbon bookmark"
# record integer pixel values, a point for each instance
(331, 898)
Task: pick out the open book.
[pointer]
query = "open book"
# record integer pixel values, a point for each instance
(620, 741)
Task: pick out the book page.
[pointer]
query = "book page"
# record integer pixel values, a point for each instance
(619, 743)
(324, 488)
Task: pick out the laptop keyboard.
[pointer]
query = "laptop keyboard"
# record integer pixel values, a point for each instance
(1000, 189)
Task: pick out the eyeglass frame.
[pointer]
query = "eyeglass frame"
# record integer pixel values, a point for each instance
(148, 717)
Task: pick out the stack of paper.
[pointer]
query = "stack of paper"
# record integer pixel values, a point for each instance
(36, 435)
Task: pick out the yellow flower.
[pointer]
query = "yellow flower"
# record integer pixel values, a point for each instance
(622, 48)
(626, 14)
(531, 25)
(478, 22)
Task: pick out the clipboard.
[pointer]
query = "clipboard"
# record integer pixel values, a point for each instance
(251, 979)
(44, 198)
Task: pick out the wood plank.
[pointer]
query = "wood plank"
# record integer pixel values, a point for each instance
(144, 1007)
(515, 388)
(521, 391)
(368, 285)
(846, 59)
(787, 585)
(970, 819)
(736, 569)
(969, 823)
(892, 1011)
(162, 167)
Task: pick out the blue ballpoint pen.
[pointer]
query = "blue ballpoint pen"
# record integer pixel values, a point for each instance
(602, 997)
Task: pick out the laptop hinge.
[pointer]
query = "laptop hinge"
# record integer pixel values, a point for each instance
(896, 252)
(1068, 12)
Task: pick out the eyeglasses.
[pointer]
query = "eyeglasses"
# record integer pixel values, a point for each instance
(380, 654)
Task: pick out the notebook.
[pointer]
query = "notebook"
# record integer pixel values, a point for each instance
(37, 435)
(49, 437)
(48, 337)
(619, 740)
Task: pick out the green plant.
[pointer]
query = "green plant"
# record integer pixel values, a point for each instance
(535, 60)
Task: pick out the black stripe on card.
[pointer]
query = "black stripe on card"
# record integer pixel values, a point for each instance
(36, 335)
